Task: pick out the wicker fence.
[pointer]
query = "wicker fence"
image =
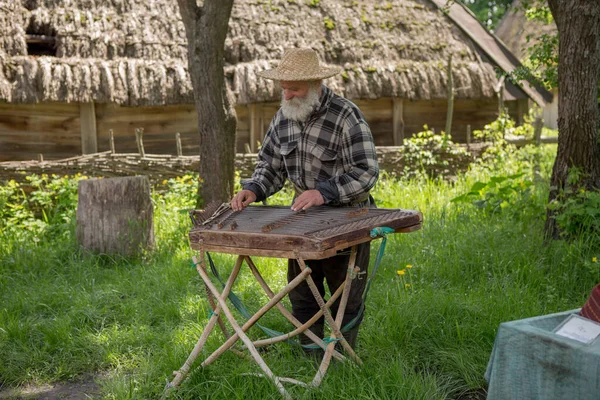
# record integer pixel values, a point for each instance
(159, 167)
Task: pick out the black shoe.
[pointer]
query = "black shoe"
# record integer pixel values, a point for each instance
(314, 351)
(351, 337)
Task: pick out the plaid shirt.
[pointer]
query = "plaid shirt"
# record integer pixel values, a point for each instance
(333, 152)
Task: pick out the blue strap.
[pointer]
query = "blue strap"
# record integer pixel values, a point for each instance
(237, 303)
(375, 232)
(235, 300)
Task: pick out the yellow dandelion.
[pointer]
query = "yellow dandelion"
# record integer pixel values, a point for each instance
(408, 266)
(164, 182)
(407, 285)
(401, 272)
(594, 259)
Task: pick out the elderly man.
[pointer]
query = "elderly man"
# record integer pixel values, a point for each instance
(323, 145)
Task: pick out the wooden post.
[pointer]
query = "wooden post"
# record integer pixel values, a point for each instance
(40, 157)
(255, 114)
(537, 132)
(139, 138)
(398, 121)
(178, 140)
(111, 139)
(450, 97)
(114, 215)
(520, 111)
(468, 135)
(89, 136)
(500, 93)
(247, 148)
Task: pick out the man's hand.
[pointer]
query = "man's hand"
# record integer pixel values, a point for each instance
(308, 199)
(242, 199)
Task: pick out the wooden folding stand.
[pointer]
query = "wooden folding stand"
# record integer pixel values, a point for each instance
(314, 234)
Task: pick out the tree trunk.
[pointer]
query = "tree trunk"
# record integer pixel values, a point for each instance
(206, 29)
(578, 23)
(114, 216)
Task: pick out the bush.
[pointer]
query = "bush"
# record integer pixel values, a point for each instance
(577, 209)
(512, 193)
(432, 155)
(44, 205)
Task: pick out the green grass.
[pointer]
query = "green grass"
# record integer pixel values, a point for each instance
(64, 313)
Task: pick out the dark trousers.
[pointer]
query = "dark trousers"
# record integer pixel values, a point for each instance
(333, 270)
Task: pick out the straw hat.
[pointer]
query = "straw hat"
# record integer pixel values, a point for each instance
(299, 65)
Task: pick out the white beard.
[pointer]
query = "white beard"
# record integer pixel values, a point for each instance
(298, 109)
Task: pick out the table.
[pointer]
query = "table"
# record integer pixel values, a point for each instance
(529, 361)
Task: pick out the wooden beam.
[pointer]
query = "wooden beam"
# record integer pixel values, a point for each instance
(522, 109)
(450, 110)
(398, 120)
(89, 135)
(50, 40)
(253, 122)
(255, 113)
(264, 124)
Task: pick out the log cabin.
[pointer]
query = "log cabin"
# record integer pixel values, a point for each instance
(71, 71)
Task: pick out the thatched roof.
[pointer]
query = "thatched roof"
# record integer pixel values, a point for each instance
(134, 52)
(519, 33)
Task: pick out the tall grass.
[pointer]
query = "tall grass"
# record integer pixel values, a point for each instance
(430, 323)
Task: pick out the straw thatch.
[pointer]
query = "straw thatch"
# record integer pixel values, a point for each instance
(134, 52)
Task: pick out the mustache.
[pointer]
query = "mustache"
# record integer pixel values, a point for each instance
(300, 108)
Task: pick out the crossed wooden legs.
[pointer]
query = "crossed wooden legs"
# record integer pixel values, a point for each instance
(219, 305)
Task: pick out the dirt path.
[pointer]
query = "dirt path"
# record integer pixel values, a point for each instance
(83, 389)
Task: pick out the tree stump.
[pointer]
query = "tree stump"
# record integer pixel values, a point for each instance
(114, 216)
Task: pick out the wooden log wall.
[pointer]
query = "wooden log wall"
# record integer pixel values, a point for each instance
(51, 129)
(160, 125)
(394, 119)
(59, 130)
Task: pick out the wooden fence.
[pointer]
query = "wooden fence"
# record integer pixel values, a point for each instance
(159, 167)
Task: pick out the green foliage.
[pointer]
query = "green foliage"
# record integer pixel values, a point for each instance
(499, 149)
(511, 193)
(578, 214)
(179, 192)
(541, 63)
(499, 154)
(431, 319)
(430, 154)
(489, 12)
(313, 3)
(43, 206)
(577, 209)
(514, 191)
(496, 130)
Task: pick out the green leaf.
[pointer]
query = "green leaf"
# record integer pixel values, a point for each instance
(477, 187)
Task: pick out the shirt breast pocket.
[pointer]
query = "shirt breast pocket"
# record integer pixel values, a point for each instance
(324, 162)
(290, 159)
